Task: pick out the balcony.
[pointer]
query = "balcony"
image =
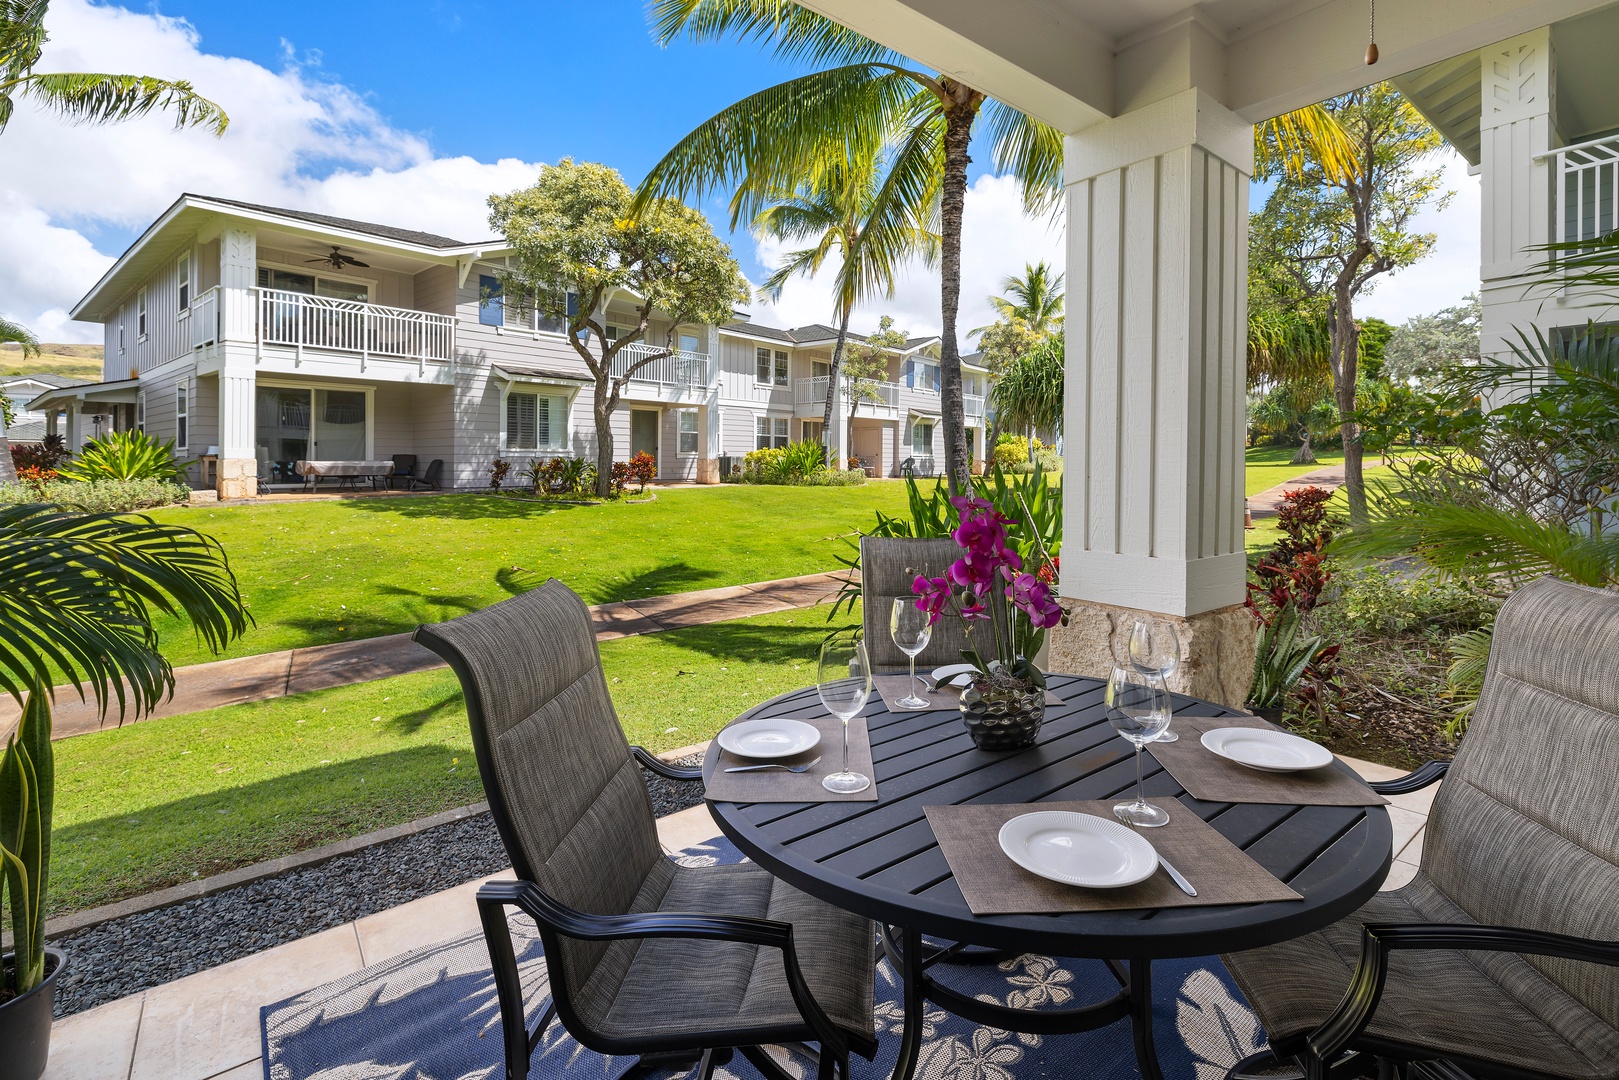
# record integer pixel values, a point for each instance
(301, 321)
(678, 374)
(809, 398)
(1587, 190)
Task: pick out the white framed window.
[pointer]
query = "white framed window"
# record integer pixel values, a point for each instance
(688, 431)
(120, 333)
(820, 369)
(770, 431)
(182, 417)
(813, 430)
(184, 275)
(140, 411)
(314, 284)
(559, 324)
(769, 369)
(140, 315)
(781, 368)
(922, 438)
(922, 375)
(536, 421)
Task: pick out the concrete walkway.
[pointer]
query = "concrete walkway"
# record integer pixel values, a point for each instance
(206, 1026)
(1269, 501)
(320, 667)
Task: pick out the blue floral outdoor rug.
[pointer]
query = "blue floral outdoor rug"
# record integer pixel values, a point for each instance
(430, 1015)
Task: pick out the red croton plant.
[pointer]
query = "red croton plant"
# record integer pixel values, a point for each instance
(1292, 577)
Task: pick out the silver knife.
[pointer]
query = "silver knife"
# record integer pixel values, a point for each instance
(1176, 877)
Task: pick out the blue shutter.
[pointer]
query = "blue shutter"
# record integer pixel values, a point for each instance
(910, 373)
(935, 378)
(573, 303)
(491, 305)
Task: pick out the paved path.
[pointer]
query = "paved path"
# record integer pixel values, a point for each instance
(320, 667)
(1267, 502)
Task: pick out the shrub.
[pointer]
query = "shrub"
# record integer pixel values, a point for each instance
(790, 464)
(125, 455)
(1370, 600)
(97, 496)
(499, 469)
(46, 455)
(834, 478)
(1011, 450)
(758, 463)
(643, 469)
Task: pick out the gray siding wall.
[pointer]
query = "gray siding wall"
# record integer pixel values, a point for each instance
(672, 464)
(167, 335)
(387, 286)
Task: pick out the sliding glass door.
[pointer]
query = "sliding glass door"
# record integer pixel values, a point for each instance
(304, 423)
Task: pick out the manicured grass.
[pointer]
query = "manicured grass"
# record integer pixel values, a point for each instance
(164, 801)
(1270, 465)
(319, 572)
(1265, 533)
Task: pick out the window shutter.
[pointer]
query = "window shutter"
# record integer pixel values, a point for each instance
(491, 305)
(910, 374)
(521, 421)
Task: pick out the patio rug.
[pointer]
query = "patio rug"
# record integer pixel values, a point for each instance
(430, 1015)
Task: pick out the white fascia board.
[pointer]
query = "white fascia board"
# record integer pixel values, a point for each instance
(116, 392)
(726, 331)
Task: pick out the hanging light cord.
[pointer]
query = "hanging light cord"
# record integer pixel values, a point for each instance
(1371, 35)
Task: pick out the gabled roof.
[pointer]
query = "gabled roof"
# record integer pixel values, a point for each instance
(386, 232)
(812, 334)
(43, 378)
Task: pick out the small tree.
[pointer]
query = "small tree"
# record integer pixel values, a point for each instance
(572, 232)
(1428, 345)
(864, 368)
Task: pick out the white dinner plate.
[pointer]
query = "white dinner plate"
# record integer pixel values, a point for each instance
(1265, 750)
(769, 738)
(953, 673)
(1078, 849)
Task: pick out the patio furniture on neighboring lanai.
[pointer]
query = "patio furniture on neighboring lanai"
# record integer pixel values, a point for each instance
(645, 956)
(888, 567)
(430, 480)
(1500, 955)
(348, 473)
(404, 470)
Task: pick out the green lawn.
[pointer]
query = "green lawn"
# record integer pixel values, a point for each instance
(164, 801)
(1269, 466)
(319, 572)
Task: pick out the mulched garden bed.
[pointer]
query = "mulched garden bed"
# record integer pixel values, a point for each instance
(1392, 711)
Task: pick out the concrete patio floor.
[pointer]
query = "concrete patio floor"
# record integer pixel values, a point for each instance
(206, 1026)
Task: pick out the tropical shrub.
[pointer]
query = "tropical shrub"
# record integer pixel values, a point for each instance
(499, 469)
(835, 478)
(1011, 449)
(1370, 600)
(643, 469)
(794, 463)
(47, 454)
(125, 455)
(1282, 650)
(96, 496)
(618, 478)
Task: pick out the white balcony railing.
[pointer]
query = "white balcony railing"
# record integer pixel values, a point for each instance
(679, 370)
(204, 318)
(972, 405)
(1587, 189)
(348, 326)
(812, 391)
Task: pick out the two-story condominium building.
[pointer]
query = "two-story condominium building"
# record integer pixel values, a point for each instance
(263, 337)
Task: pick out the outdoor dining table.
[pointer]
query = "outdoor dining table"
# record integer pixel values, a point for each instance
(880, 859)
(348, 472)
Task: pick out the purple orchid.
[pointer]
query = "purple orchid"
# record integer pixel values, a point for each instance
(932, 594)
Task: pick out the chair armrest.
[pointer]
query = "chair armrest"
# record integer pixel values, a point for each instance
(1355, 1011)
(1428, 773)
(649, 760)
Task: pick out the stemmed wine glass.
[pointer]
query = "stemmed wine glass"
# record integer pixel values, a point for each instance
(911, 630)
(1138, 709)
(843, 680)
(1156, 653)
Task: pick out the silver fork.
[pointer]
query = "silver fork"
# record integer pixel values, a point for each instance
(776, 765)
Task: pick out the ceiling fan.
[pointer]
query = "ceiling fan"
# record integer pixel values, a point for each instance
(337, 260)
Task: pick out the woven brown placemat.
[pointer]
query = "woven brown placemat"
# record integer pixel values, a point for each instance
(1208, 776)
(1221, 872)
(779, 785)
(894, 687)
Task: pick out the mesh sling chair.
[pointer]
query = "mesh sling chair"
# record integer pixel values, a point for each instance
(646, 957)
(1500, 956)
(888, 566)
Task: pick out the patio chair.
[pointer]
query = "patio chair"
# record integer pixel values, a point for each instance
(429, 480)
(404, 470)
(1499, 957)
(888, 567)
(645, 956)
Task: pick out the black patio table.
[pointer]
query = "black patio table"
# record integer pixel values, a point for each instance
(880, 859)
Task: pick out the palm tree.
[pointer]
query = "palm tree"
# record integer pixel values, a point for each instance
(89, 98)
(773, 140)
(1028, 395)
(12, 334)
(1286, 144)
(78, 593)
(871, 220)
(1035, 299)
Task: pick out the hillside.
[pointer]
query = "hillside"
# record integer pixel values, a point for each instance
(73, 361)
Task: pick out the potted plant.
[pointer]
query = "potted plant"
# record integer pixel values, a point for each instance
(1007, 611)
(80, 594)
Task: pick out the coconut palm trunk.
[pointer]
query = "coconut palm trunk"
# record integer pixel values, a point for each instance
(833, 371)
(958, 132)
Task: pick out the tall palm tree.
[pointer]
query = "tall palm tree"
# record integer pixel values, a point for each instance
(1035, 299)
(774, 139)
(85, 97)
(872, 221)
(12, 333)
(78, 593)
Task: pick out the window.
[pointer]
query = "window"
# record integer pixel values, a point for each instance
(820, 369)
(922, 438)
(813, 430)
(922, 375)
(140, 411)
(182, 418)
(557, 324)
(491, 304)
(535, 421)
(761, 366)
(185, 287)
(313, 285)
(140, 315)
(769, 369)
(688, 431)
(120, 332)
(769, 431)
(781, 368)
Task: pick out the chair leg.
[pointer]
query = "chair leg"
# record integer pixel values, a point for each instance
(767, 1066)
(508, 989)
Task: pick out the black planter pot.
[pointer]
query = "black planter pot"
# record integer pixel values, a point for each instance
(1273, 713)
(25, 1022)
(1003, 719)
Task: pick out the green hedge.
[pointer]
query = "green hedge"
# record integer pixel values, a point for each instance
(97, 496)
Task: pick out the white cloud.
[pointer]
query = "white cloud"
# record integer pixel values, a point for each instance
(998, 238)
(1451, 272)
(294, 140)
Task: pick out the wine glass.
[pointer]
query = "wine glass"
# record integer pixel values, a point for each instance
(912, 632)
(843, 680)
(1138, 709)
(1156, 653)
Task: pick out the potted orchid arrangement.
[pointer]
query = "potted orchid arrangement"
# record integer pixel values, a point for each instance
(1006, 610)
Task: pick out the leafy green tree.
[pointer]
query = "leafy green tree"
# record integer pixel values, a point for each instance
(572, 233)
(1426, 346)
(871, 220)
(1296, 410)
(1374, 339)
(1334, 238)
(869, 95)
(867, 365)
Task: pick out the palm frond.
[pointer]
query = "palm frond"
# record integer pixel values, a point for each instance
(796, 33)
(1286, 144)
(88, 98)
(1288, 345)
(1029, 150)
(18, 334)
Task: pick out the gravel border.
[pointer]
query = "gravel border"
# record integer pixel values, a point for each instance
(136, 952)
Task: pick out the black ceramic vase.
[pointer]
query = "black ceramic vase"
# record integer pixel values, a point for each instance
(1003, 717)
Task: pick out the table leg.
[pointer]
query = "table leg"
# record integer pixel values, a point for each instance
(911, 983)
(1141, 1019)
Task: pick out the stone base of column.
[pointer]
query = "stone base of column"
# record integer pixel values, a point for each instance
(238, 478)
(708, 470)
(1217, 647)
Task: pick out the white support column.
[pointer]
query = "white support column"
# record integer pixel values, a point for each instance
(838, 437)
(75, 428)
(238, 277)
(708, 416)
(1153, 458)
